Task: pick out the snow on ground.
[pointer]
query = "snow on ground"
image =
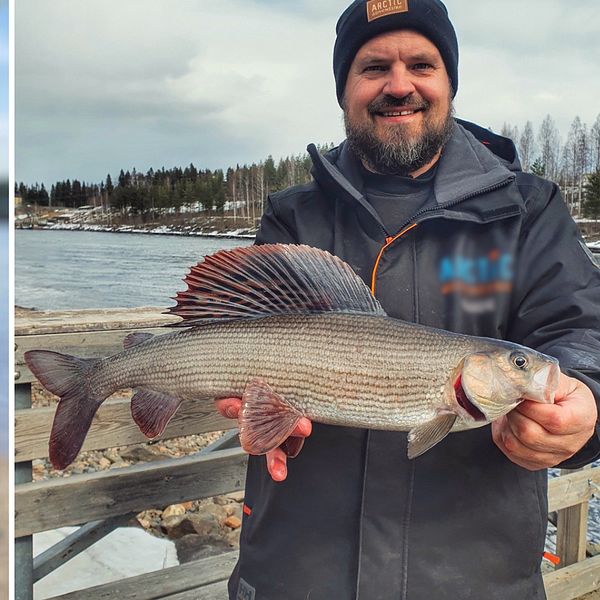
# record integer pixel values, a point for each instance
(125, 552)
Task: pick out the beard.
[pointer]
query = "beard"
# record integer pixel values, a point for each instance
(399, 151)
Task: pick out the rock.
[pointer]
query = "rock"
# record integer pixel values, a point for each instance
(104, 463)
(177, 526)
(173, 510)
(204, 524)
(233, 538)
(220, 500)
(216, 510)
(236, 496)
(195, 547)
(112, 455)
(140, 454)
(233, 522)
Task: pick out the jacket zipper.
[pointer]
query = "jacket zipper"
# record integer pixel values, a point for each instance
(416, 219)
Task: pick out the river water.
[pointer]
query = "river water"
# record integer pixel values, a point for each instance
(62, 270)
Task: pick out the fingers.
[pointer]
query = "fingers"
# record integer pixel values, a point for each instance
(277, 464)
(229, 407)
(527, 444)
(516, 452)
(303, 429)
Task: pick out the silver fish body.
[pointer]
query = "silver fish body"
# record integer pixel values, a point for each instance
(356, 368)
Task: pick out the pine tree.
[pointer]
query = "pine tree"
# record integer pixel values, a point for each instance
(591, 196)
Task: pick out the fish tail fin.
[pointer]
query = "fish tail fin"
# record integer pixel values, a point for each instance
(67, 377)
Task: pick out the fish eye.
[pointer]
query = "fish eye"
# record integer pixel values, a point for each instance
(519, 360)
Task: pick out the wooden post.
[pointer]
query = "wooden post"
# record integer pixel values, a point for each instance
(23, 545)
(571, 532)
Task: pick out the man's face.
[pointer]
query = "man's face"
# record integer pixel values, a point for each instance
(398, 103)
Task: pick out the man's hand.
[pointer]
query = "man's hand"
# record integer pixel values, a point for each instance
(276, 459)
(537, 436)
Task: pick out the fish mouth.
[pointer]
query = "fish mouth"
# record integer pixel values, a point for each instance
(545, 382)
(465, 403)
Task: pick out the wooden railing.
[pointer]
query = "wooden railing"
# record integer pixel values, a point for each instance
(102, 501)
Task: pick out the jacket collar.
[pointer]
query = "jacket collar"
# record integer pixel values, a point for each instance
(467, 168)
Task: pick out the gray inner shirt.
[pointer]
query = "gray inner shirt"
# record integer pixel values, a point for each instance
(396, 199)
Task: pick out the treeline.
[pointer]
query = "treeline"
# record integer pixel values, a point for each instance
(572, 163)
(241, 190)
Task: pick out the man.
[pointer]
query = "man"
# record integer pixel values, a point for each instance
(436, 216)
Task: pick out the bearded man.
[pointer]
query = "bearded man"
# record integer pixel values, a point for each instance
(436, 216)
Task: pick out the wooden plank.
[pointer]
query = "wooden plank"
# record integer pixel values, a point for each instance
(214, 591)
(82, 498)
(91, 319)
(112, 426)
(573, 581)
(63, 551)
(569, 490)
(23, 564)
(571, 535)
(86, 344)
(164, 583)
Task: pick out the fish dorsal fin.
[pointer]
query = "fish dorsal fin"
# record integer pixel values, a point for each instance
(272, 279)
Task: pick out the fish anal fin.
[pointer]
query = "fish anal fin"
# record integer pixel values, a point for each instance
(426, 436)
(138, 337)
(153, 410)
(266, 420)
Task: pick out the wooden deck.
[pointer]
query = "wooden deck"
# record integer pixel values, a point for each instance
(101, 501)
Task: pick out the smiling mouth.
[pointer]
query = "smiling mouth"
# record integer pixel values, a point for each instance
(398, 113)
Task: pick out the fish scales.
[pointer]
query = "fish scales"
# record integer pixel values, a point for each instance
(294, 332)
(374, 366)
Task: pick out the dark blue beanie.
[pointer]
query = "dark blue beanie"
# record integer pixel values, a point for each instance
(365, 19)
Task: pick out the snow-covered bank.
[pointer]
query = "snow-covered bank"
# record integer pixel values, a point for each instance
(188, 230)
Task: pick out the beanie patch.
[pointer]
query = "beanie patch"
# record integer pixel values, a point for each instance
(381, 8)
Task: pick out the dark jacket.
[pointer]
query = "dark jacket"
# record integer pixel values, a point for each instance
(496, 255)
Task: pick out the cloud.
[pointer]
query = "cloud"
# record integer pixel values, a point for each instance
(103, 85)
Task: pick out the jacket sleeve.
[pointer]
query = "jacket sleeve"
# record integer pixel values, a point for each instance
(556, 307)
(273, 229)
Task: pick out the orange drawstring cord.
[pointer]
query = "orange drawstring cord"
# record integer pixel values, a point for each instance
(388, 242)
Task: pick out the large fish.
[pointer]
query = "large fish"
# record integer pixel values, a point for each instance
(295, 332)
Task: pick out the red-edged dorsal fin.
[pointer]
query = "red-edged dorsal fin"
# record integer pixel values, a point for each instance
(273, 279)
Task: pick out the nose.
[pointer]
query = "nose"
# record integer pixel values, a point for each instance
(399, 83)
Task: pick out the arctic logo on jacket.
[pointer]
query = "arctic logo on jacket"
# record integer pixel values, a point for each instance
(477, 279)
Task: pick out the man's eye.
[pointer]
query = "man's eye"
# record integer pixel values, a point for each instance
(422, 66)
(375, 68)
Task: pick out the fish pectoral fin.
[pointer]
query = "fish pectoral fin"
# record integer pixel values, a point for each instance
(265, 418)
(426, 436)
(152, 411)
(133, 339)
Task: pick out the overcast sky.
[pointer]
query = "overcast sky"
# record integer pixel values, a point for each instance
(108, 84)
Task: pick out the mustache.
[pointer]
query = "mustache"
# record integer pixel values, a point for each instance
(414, 101)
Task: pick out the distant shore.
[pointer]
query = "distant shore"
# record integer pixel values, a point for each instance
(187, 230)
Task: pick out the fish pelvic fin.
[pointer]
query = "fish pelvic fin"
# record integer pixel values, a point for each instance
(426, 436)
(152, 411)
(67, 377)
(266, 420)
(272, 279)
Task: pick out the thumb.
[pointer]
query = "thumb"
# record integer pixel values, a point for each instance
(229, 407)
